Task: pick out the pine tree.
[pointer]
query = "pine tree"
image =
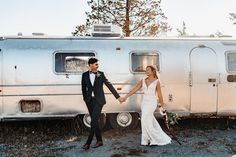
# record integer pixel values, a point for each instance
(135, 17)
(233, 17)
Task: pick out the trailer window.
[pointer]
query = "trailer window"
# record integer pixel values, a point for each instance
(231, 61)
(72, 62)
(139, 61)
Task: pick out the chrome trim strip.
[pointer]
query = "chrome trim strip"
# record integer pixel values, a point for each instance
(52, 94)
(18, 85)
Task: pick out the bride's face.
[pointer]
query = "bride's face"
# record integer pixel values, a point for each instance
(149, 71)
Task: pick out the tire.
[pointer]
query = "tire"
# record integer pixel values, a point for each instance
(87, 120)
(124, 121)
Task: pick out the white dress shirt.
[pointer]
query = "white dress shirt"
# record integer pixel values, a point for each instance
(92, 79)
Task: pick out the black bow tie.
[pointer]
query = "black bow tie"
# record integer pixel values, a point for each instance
(91, 72)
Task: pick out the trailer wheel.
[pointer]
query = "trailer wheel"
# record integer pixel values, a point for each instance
(87, 121)
(124, 120)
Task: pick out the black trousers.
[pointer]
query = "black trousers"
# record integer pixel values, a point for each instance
(95, 112)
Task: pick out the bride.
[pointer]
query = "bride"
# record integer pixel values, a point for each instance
(152, 134)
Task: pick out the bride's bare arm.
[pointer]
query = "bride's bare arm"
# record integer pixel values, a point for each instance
(134, 90)
(159, 94)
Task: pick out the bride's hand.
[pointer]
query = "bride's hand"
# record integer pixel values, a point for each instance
(162, 110)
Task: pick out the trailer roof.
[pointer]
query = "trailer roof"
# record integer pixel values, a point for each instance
(118, 38)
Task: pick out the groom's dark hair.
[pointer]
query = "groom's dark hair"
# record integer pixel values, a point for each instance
(92, 60)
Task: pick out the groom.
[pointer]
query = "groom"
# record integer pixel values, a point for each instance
(93, 94)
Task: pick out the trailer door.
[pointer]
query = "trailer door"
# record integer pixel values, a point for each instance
(1, 105)
(203, 80)
(227, 86)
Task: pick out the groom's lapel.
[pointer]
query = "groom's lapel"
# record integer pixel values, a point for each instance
(88, 77)
(94, 81)
(96, 77)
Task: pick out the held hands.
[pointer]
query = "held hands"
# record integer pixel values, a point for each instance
(122, 99)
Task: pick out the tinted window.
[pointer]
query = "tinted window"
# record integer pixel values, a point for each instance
(72, 62)
(139, 60)
(231, 61)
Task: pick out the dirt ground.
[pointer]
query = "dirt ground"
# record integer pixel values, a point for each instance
(59, 138)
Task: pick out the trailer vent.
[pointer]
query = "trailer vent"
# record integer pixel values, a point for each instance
(19, 34)
(38, 34)
(100, 30)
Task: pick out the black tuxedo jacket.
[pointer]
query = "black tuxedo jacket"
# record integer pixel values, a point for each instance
(97, 88)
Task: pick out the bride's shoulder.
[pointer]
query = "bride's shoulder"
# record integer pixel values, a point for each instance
(157, 81)
(143, 79)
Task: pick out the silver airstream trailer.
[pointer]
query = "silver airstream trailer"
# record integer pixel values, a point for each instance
(40, 76)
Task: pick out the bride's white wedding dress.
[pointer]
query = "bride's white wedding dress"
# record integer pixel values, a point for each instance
(151, 131)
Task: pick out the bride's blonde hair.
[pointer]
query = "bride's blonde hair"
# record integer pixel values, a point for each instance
(154, 70)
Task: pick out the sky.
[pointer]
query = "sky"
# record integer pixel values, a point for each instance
(59, 17)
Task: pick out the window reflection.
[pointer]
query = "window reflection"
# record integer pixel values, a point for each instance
(72, 62)
(141, 60)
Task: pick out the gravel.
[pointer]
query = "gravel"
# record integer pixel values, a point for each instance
(59, 138)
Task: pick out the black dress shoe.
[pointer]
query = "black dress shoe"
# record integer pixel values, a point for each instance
(98, 144)
(85, 146)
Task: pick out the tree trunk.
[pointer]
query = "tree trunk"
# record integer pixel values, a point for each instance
(126, 27)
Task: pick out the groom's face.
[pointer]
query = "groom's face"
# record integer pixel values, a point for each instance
(94, 66)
